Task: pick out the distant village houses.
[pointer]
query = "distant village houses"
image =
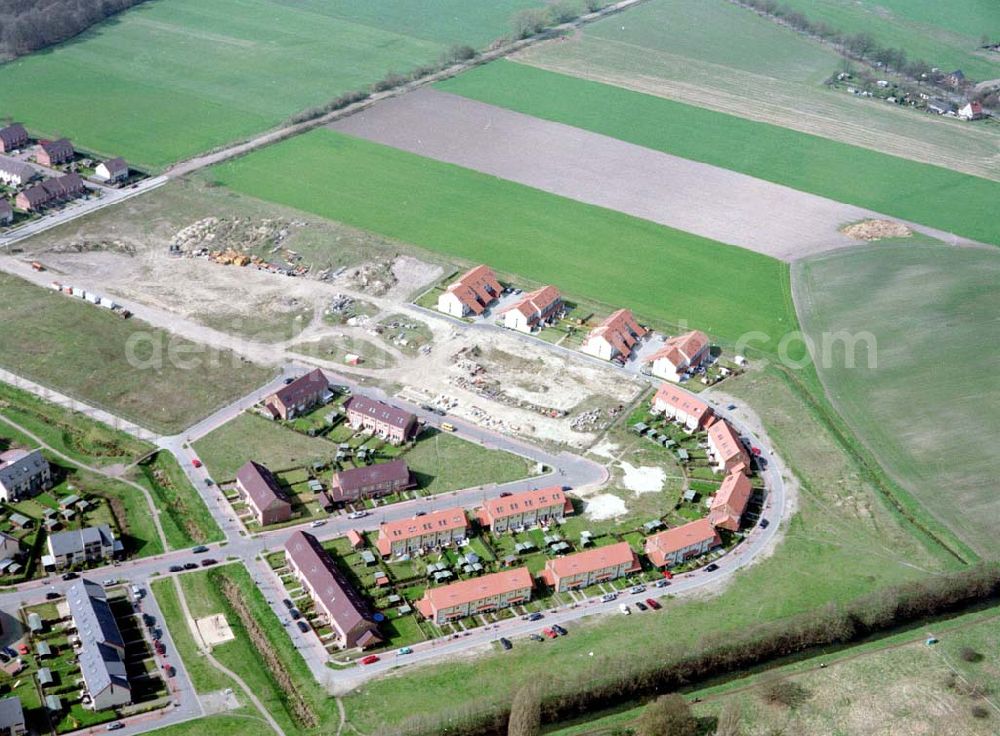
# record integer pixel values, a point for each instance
(434, 529)
(679, 355)
(112, 171)
(16, 173)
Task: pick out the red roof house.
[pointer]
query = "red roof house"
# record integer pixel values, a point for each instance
(615, 337)
(680, 354)
(730, 502)
(477, 595)
(472, 293)
(675, 403)
(673, 546)
(533, 309)
(591, 566)
(525, 509)
(727, 449)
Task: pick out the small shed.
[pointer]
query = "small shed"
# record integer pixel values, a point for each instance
(44, 676)
(393, 599)
(65, 503)
(381, 579)
(355, 538)
(20, 521)
(43, 650)
(35, 623)
(690, 496)
(404, 609)
(652, 525)
(682, 455)
(368, 557)
(640, 428)
(53, 703)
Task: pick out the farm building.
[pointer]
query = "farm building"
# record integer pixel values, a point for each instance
(343, 608)
(473, 292)
(679, 355)
(971, 111)
(476, 595)
(675, 403)
(262, 492)
(730, 502)
(87, 545)
(615, 337)
(525, 509)
(726, 449)
(6, 212)
(299, 396)
(52, 153)
(435, 529)
(383, 420)
(102, 647)
(11, 717)
(534, 309)
(16, 173)
(673, 546)
(593, 566)
(12, 137)
(370, 481)
(111, 171)
(23, 473)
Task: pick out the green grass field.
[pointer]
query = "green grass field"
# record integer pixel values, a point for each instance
(167, 80)
(443, 462)
(586, 251)
(184, 516)
(927, 405)
(849, 174)
(842, 528)
(83, 351)
(682, 50)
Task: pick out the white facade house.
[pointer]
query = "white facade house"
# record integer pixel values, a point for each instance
(679, 355)
(615, 337)
(533, 310)
(111, 171)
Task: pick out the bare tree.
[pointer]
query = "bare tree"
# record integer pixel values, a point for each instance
(525, 712)
(730, 720)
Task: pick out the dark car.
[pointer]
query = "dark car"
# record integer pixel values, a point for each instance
(157, 634)
(176, 568)
(169, 669)
(536, 637)
(148, 620)
(712, 568)
(535, 616)
(51, 595)
(764, 523)
(559, 630)
(641, 606)
(295, 613)
(421, 513)
(190, 565)
(208, 562)
(70, 576)
(199, 549)
(505, 643)
(288, 603)
(288, 381)
(303, 627)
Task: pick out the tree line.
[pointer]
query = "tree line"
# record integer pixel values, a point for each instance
(660, 667)
(30, 25)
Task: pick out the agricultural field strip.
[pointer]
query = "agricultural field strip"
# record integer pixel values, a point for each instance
(706, 200)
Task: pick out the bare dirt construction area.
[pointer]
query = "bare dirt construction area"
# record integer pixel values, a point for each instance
(588, 167)
(214, 630)
(876, 230)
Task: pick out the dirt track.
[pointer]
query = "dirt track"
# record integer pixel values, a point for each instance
(596, 169)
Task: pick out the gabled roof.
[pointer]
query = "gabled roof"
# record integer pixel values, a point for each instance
(17, 463)
(304, 387)
(475, 589)
(598, 558)
(380, 411)
(13, 134)
(61, 148)
(518, 503)
(116, 166)
(725, 442)
(620, 330)
(681, 349)
(74, 541)
(5, 209)
(346, 482)
(261, 485)
(679, 538)
(101, 641)
(535, 302)
(36, 195)
(431, 523)
(11, 713)
(681, 400)
(731, 501)
(473, 288)
(20, 169)
(63, 186)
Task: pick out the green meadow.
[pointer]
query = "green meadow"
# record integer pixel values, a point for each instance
(930, 195)
(664, 275)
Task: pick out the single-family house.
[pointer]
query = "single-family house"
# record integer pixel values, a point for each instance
(679, 355)
(615, 337)
(971, 111)
(52, 153)
(675, 403)
(476, 595)
(674, 546)
(592, 566)
(534, 309)
(344, 608)
(433, 529)
(23, 473)
(391, 423)
(473, 292)
(111, 171)
(726, 450)
(102, 647)
(955, 79)
(525, 509)
(75, 546)
(11, 717)
(12, 137)
(16, 173)
(730, 502)
(263, 493)
(299, 396)
(370, 481)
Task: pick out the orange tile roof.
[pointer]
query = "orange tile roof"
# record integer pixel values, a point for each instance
(537, 301)
(726, 443)
(673, 396)
(681, 348)
(731, 501)
(431, 523)
(518, 503)
(589, 560)
(474, 589)
(679, 538)
(472, 288)
(620, 330)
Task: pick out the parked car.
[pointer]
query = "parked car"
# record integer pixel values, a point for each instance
(317, 522)
(303, 626)
(624, 609)
(370, 659)
(175, 568)
(654, 604)
(641, 606)
(196, 462)
(23, 649)
(559, 630)
(70, 576)
(636, 589)
(160, 648)
(209, 482)
(536, 637)
(295, 613)
(9, 652)
(200, 549)
(148, 619)
(357, 515)
(712, 568)
(668, 575)
(505, 643)
(764, 523)
(190, 565)
(208, 562)
(108, 582)
(447, 426)
(661, 583)
(4, 658)
(114, 726)
(404, 650)
(549, 633)
(535, 616)
(51, 595)
(608, 597)
(289, 380)
(288, 603)
(169, 670)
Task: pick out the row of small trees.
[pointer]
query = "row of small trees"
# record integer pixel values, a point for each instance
(29, 26)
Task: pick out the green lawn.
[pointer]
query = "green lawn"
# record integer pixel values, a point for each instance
(229, 724)
(887, 184)
(464, 214)
(842, 528)
(143, 374)
(443, 462)
(185, 518)
(180, 77)
(927, 401)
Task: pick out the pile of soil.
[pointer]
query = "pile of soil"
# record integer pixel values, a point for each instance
(373, 278)
(876, 230)
(238, 233)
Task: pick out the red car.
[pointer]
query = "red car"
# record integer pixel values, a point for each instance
(370, 659)
(652, 603)
(550, 633)
(23, 649)
(196, 462)
(755, 451)
(668, 575)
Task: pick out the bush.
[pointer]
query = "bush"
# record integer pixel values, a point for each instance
(563, 11)
(980, 712)
(668, 715)
(968, 654)
(784, 692)
(529, 22)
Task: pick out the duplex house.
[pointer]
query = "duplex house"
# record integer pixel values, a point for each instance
(476, 595)
(534, 309)
(88, 545)
(589, 567)
(434, 529)
(111, 171)
(726, 449)
(391, 423)
(473, 292)
(679, 355)
(263, 494)
(102, 647)
(299, 396)
(11, 717)
(674, 403)
(370, 481)
(51, 153)
(615, 337)
(525, 509)
(674, 546)
(12, 137)
(344, 608)
(16, 173)
(23, 473)
(6, 212)
(730, 502)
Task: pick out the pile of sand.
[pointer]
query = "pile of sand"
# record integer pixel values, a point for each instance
(876, 230)
(643, 479)
(605, 506)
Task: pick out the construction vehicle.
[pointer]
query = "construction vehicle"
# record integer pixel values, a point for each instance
(37, 266)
